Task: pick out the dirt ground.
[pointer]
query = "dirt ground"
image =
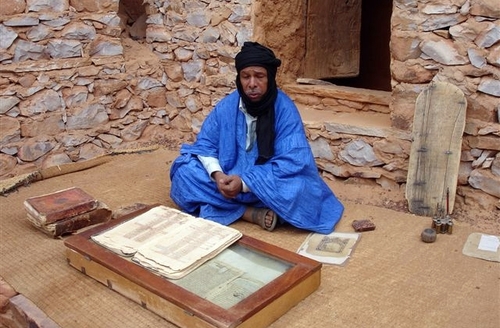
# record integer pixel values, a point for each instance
(391, 278)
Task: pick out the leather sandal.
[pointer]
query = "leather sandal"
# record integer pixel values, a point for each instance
(259, 217)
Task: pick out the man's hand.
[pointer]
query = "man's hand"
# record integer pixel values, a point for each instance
(229, 185)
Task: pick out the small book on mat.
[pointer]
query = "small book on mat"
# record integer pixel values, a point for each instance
(59, 205)
(65, 211)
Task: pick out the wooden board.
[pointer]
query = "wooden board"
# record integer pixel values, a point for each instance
(333, 30)
(186, 309)
(438, 126)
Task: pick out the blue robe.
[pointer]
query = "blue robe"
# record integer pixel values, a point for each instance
(288, 183)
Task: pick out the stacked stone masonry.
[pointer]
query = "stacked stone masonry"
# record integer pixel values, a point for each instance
(79, 79)
(18, 311)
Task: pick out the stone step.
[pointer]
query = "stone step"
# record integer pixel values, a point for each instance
(371, 124)
(351, 133)
(345, 110)
(332, 91)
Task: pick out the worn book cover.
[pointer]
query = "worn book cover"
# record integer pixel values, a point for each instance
(59, 205)
(72, 224)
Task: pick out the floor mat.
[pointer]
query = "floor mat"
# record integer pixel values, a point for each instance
(393, 279)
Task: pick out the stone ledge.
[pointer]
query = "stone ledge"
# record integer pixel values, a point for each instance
(357, 123)
(45, 65)
(340, 92)
(370, 131)
(29, 315)
(18, 311)
(345, 110)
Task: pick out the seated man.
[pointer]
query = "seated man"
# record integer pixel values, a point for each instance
(251, 159)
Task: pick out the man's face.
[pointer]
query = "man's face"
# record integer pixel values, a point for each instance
(254, 82)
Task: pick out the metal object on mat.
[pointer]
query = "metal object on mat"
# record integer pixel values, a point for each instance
(443, 224)
(428, 235)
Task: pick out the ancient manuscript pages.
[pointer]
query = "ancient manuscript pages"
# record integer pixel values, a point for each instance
(335, 248)
(168, 241)
(235, 274)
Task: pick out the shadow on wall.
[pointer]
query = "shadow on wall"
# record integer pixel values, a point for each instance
(133, 16)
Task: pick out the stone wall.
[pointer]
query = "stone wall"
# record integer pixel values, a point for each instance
(457, 41)
(18, 311)
(74, 86)
(79, 79)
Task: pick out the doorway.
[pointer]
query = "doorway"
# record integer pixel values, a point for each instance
(374, 48)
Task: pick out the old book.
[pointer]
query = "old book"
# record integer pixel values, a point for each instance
(72, 224)
(167, 241)
(59, 205)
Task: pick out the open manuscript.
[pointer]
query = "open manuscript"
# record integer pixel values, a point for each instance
(168, 241)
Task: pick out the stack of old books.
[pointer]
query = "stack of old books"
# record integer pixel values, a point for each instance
(65, 211)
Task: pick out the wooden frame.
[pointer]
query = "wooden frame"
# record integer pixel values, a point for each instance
(187, 309)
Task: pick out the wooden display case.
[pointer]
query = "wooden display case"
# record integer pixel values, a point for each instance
(296, 279)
